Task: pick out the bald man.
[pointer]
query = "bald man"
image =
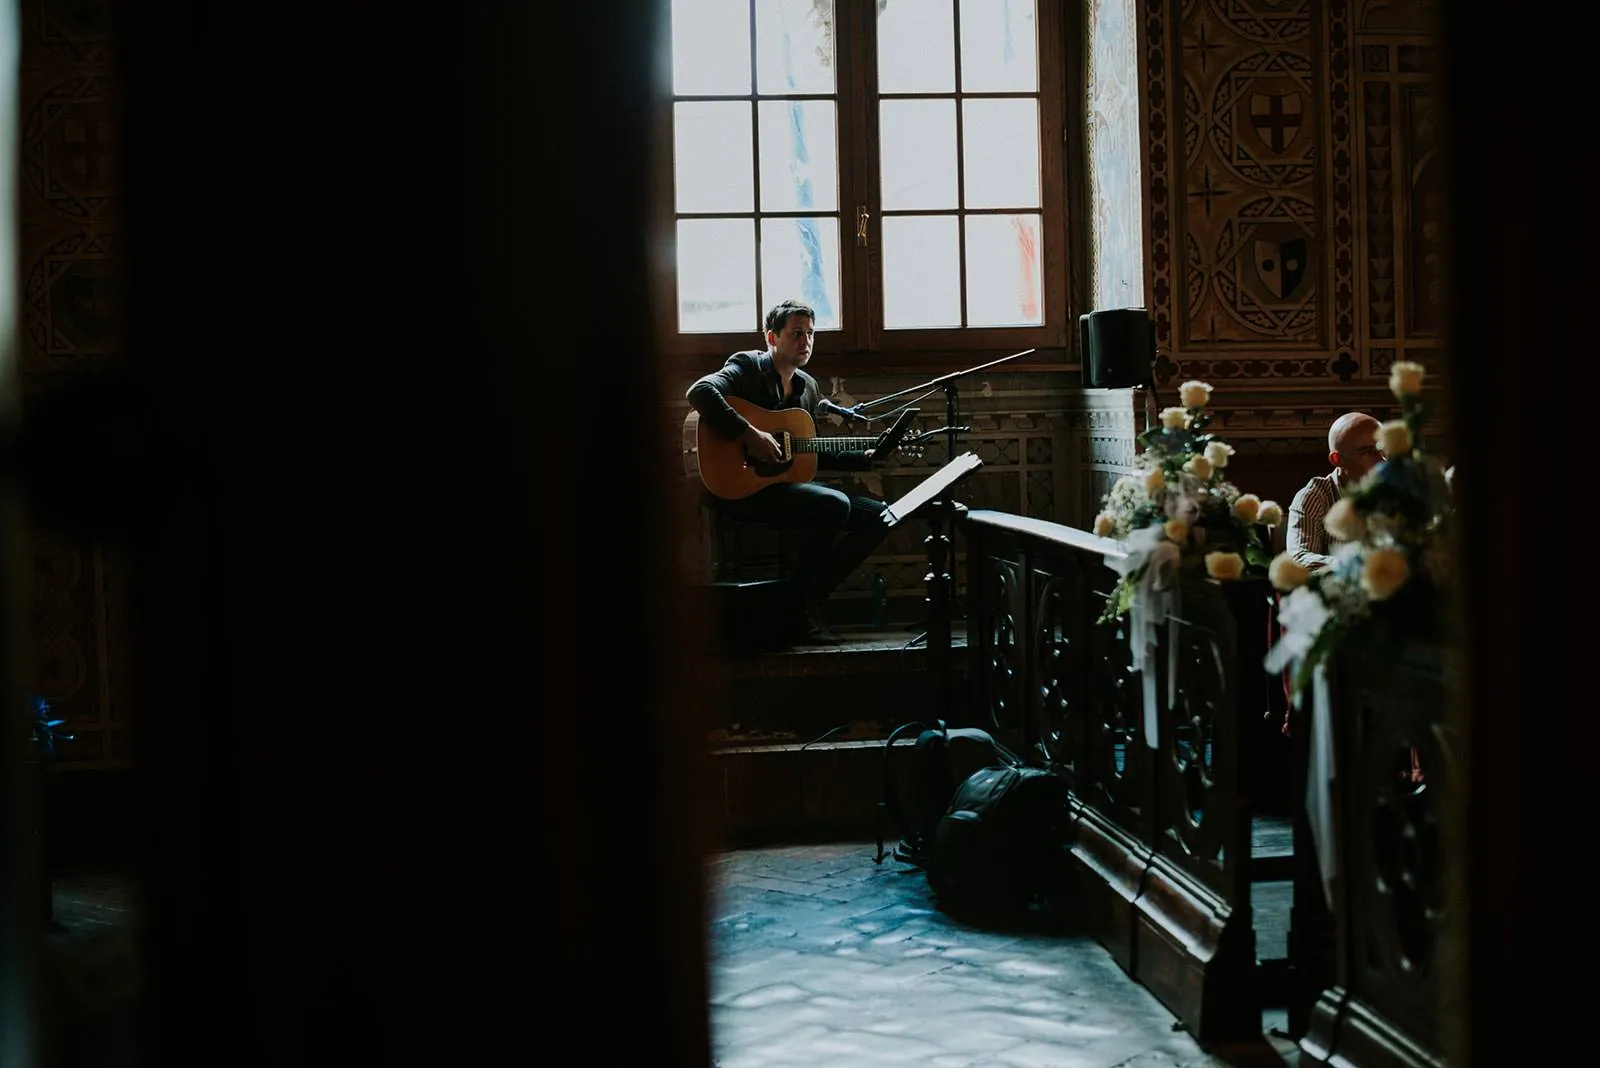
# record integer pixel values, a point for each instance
(1353, 451)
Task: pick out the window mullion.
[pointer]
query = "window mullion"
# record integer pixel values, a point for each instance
(755, 157)
(961, 167)
(852, 69)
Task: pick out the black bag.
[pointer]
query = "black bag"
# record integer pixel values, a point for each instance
(941, 758)
(1000, 840)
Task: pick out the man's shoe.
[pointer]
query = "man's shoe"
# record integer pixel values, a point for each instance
(817, 631)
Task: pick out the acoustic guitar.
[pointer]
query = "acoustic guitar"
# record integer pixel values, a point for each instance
(726, 469)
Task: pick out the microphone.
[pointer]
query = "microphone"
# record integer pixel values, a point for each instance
(826, 405)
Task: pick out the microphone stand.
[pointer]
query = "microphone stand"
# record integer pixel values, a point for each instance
(939, 580)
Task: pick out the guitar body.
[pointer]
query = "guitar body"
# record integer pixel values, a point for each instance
(728, 472)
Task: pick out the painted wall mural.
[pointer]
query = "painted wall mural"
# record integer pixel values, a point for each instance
(1293, 211)
(1113, 144)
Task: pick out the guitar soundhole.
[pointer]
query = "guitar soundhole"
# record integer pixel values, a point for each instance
(768, 470)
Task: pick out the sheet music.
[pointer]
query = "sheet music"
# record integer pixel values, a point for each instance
(931, 487)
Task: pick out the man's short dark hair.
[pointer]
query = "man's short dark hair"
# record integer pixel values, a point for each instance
(779, 315)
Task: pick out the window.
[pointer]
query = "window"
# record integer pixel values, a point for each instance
(895, 163)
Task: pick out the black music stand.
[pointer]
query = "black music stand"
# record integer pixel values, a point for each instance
(940, 510)
(930, 489)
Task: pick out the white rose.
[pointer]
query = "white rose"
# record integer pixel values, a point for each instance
(1194, 394)
(1199, 467)
(1174, 418)
(1405, 379)
(1270, 514)
(1394, 438)
(1218, 452)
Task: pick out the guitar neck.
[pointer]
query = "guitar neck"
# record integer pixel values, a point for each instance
(831, 444)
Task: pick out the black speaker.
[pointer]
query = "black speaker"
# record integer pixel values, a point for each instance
(1117, 348)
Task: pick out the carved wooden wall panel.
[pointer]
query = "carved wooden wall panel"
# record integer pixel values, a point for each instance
(1293, 214)
(68, 293)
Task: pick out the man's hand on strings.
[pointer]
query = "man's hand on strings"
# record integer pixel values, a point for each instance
(761, 445)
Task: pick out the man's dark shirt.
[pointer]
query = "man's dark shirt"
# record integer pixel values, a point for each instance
(751, 376)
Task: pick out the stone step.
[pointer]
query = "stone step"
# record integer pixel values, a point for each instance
(862, 688)
(797, 738)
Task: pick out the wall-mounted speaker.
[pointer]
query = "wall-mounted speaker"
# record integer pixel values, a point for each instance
(1117, 348)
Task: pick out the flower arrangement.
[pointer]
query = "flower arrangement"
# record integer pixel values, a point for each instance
(1394, 566)
(1179, 510)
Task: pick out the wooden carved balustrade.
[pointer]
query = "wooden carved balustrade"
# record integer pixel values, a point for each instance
(1392, 896)
(1161, 845)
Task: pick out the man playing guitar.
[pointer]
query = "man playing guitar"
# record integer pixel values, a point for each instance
(838, 530)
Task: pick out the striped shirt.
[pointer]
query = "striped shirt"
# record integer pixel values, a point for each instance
(1307, 539)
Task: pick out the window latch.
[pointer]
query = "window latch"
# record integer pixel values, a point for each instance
(861, 225)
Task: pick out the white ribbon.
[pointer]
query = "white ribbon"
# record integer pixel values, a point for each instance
(1156, 600)
(1301, 615)
(1320, 774)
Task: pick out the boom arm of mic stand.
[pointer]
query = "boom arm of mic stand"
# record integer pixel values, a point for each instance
(942, 380)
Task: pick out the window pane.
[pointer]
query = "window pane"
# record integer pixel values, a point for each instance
(711, 47)
(998, 51)
(1000, 153)
(916, 47)
(799, 155)
(717, 275)
(794, 46)
(1004, 270)
(921, 272)
(712, 163)
(800, 258)
(917, 152)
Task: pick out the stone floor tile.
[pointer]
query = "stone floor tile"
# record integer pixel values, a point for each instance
(820, 957)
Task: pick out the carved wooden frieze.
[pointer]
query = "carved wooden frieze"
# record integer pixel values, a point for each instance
(1293, 210)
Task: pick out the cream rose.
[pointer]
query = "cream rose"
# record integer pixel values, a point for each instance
(1104, 525)
(1224, 565)
(1199, 467)
(1155, 480)
(1270, 514)
(1194, 394)
(1344, 522)
(1177, 530)
(1405, 379)
(1285, 572)
(1383, 572)
(1247, 507)
(1394, 438)
(1218, 452)
(1174, 418)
